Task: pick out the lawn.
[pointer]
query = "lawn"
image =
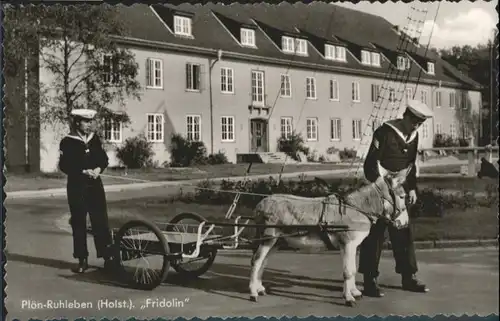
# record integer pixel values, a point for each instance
(19, 182)
(456, 224)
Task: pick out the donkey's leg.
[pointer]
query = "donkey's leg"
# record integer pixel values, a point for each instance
(349, 262)
(271, 242)
(257, 265)
(356, 238)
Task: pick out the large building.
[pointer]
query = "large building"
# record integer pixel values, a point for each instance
(237, 77)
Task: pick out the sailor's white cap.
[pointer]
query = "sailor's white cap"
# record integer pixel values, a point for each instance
(419, 109)
(84, 113)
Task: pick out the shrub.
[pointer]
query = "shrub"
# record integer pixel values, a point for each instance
(137, 152)
(217, 158)
(185, 153)
(293, 145)
(347, 154)
(443, 140)
(332, 150)
(431, 202)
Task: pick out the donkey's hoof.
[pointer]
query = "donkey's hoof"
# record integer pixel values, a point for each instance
(253, 298)
(350, 303)
(262, 292)
(358, 296)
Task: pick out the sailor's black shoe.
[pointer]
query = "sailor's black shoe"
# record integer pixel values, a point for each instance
(411, 283)
(371, 288)
(82, 266)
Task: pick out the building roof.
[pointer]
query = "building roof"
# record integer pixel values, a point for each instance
(216, 26)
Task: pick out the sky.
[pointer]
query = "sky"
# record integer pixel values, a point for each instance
(457, 23)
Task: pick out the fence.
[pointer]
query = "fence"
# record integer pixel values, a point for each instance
(490, 152)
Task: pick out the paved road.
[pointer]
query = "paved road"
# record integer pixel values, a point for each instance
(39, 259)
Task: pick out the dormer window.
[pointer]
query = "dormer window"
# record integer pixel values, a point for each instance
(403, 63)
(247, 37)
(289, 45)
(430, 68)
(182, 26)
(370, 58)
(335, 53)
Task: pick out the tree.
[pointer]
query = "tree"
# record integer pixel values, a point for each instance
(78, 45)
(475, 62)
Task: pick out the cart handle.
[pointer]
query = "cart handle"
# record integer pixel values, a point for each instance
(199, 240)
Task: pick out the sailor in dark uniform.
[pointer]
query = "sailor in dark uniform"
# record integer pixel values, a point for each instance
(83, 159)
(393, 148)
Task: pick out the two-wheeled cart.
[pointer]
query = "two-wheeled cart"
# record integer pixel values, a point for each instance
(189, 248)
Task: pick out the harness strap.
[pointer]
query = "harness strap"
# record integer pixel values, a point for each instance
(323, 229)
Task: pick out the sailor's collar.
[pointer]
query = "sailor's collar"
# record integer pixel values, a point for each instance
(393, 124)
(77, 137)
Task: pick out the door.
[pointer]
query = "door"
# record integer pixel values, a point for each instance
(258, 135)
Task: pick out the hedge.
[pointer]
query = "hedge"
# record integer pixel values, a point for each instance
(431, 201)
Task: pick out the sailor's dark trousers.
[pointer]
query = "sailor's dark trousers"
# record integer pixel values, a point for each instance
(86, 195)
(402, 247)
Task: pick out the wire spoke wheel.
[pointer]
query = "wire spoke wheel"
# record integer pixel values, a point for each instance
(142, 254)
(187, 224)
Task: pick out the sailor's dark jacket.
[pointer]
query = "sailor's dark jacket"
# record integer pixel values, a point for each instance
(393, 152)
(77, 154)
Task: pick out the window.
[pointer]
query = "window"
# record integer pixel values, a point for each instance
(193, 123)
(430, 68)
(288, 44)
(258, 87)
(365, 57)
(409, 94)
(439, 129)
(227, 130)
(356, 129)
(335, 53)
(301, 46)
(226, 80)
(370, 58)
(286, 86)
(453, 132)
(438, 99)
(375, 92)
(334, 90)
(335, 129)
(355, 91)
(113, 130)
(464, 100)
(193, 76)
(247, 37)
(154, 73)
(453, 100)
(423, 96)
(155, 128)
(111, 72)
(392, 95)
(286, 127)
(311, 88)
(312, 129)
(375, 59)
(182, 26)
(466, 130)
(403, 63)
(425, 131)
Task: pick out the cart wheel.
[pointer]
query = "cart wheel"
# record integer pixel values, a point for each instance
(195, 267)
(136, 242)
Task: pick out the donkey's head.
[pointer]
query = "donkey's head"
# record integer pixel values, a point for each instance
(391, 189)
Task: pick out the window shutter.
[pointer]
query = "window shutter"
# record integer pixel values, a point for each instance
(148, 72)
(187, 74)
(201, 76)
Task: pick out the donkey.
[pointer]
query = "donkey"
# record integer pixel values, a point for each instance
(277, 215)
